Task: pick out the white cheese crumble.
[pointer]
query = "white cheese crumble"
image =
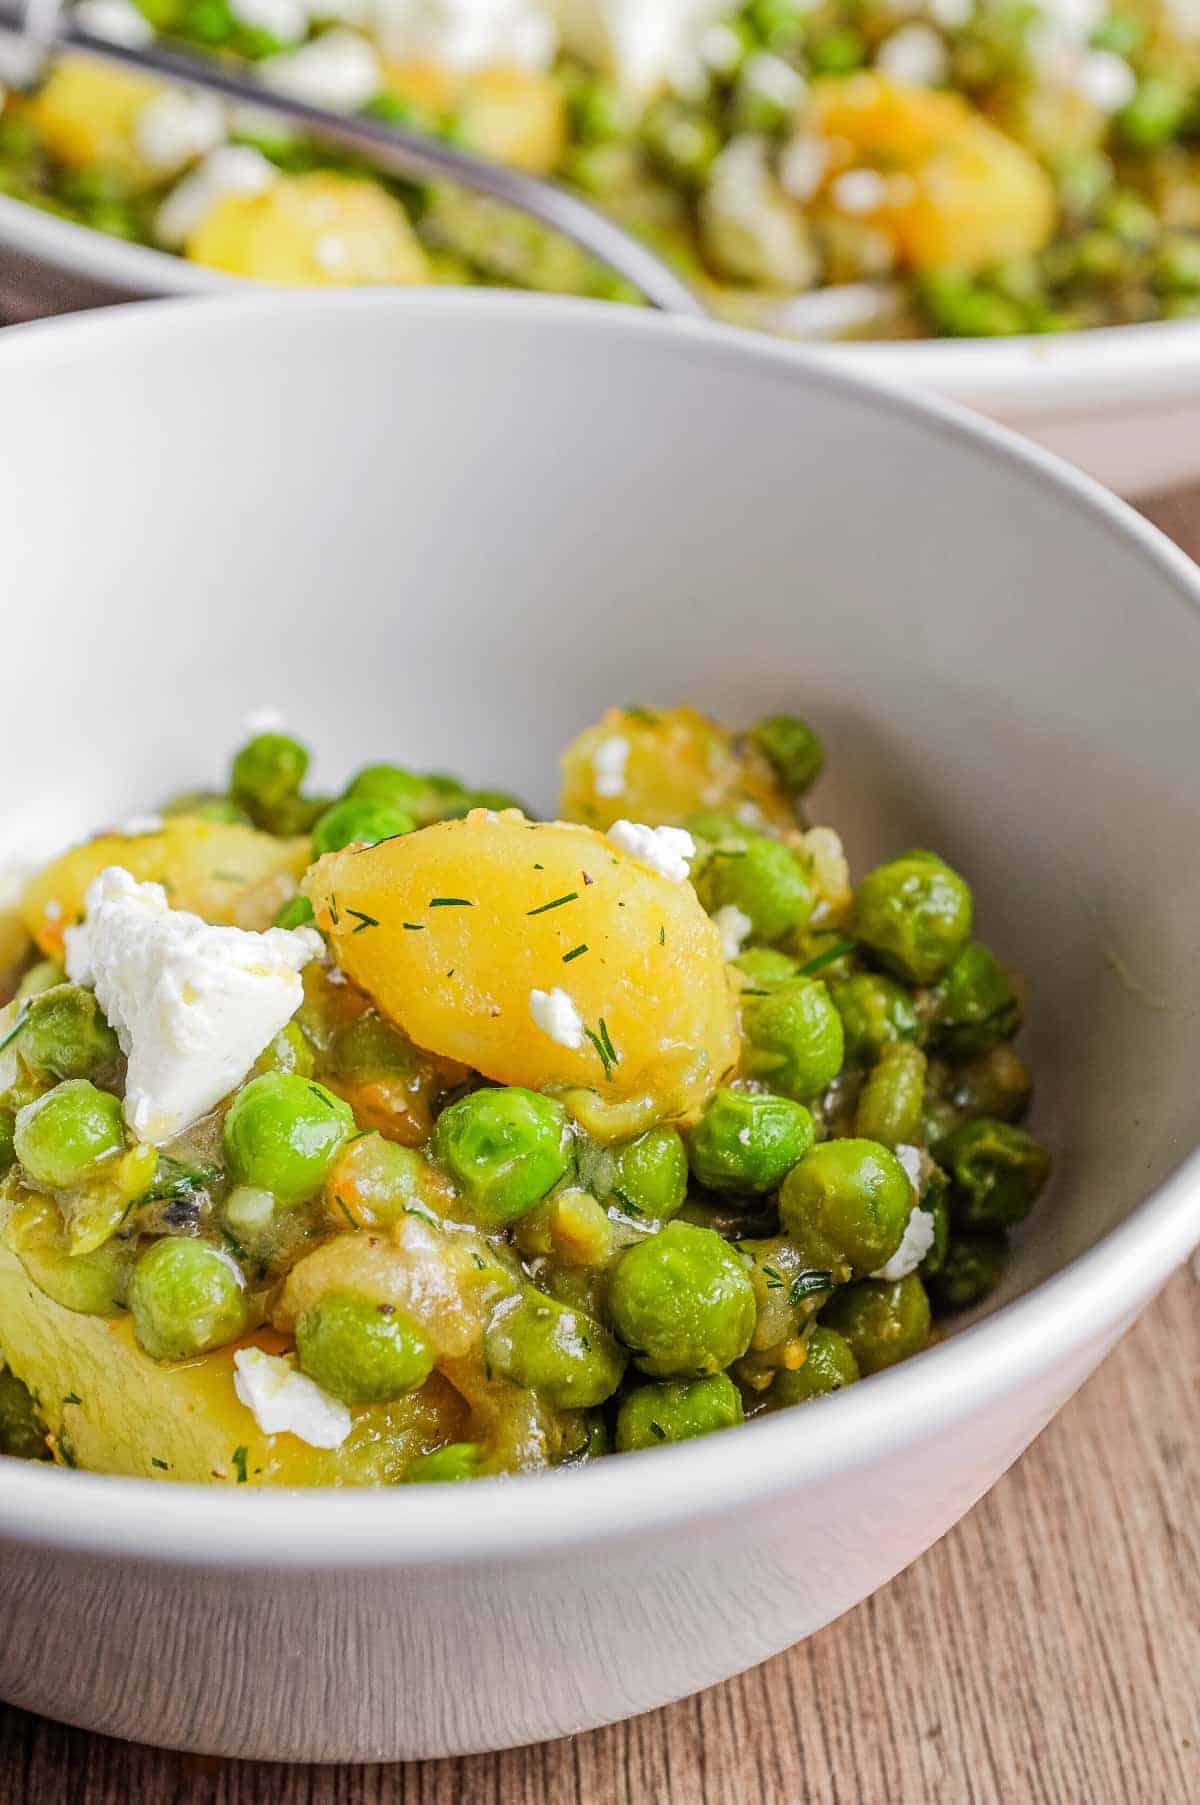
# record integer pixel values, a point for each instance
(915, 54)
(859, 191)
(668, 850)
(266, 719)
(802, 166)
(776, 81)
(285, 20)
(469, 34)
(136, 825)
(554, 1012)
(916, 1242)
(642, 45)
(177, 126)
(910, 1158)
(734, 927)
(192, 1005)
(951, 13)
(338, 70)
(231, 169)
(608, 765)
(1105, 79)
(283, 1401)
(117, 21)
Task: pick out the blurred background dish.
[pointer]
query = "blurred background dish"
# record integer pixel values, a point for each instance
(967, 169)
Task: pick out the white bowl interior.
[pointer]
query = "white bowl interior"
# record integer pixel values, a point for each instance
(449, 531)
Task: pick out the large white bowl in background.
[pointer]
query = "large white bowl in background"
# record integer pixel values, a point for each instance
(1122, 404)
(449, 529)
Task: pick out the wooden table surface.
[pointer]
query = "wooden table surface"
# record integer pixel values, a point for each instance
(1046, 1650)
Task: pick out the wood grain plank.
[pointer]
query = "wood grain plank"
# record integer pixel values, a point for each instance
(1045, 1652)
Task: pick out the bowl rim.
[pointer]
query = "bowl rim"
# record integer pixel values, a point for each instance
(1155, 362)
(528, 1516)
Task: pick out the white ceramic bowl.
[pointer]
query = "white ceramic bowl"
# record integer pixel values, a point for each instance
(1123, 404)
(452, 528)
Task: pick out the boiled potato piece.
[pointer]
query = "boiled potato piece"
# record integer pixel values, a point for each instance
(958, 191)
(451, 929)
(223, 872)
(515, 116)
(111, 1409)
(316, 230)
(663, 765)
(86, 114)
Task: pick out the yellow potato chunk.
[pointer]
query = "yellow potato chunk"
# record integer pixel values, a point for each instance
(452, 929)
(111, 1409)
(957, 191)
(316, 230)
(662, 765)
(86, 114)
(515, 116)
(422, 83)
(223, 872)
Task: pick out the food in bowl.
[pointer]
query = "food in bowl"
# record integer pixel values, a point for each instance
(959, 167)
(404, 1137)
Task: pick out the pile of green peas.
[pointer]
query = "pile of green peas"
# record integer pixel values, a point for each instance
(855, 1177)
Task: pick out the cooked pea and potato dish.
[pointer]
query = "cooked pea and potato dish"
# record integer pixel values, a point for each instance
(400, 1136)
(961, 167)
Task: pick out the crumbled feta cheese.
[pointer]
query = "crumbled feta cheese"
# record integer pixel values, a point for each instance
(554, 1012)
(192, 1005)
(230, 169)
(915, 54)
(743, 1135)
(802, 166)
(117, 21)
(608, 763)
(283, 1401)
(140, 824)
(640, 44)
(734, 928)
(469, 34)
(53, 910)
(338, 70)
(910, 1158)
(951, 13)
(669, 850)
(177, 126)
(859, 191)
(720, 49)
(331, 252)
(776, 81)
(750, 222)
(1105, 79)
(285, 20)
(918, 1239)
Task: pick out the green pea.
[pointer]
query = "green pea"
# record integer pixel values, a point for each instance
(21, 1434)
(545, 1346)
(1156, 113)
(505, 1147)
(282, 1133)
(45, 975)
(677, 1410)
(829, 1365)
(288, 1052)
(681, 140)
(875, 1011)
(267, 771)
(915, 915)
(445, 1466)
(935, 1202)
(976, 1005)
(90, 1284)
(371, 1048)
(65, 1034)
(838, 52)
(847, 1203)
(61, 1136)
(747, 1141)
(425, 799)
(683, 1302)
(360, 1350)
(715, 829)
(793, 749)
(766, 968)
(884, 1320)
(297, 912)
(793, 1039)
(765, 880)
(972, 1269)
(891, 1102)
(356, 820)
(997, 1172)
(186, 1298)
(650, 1174)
